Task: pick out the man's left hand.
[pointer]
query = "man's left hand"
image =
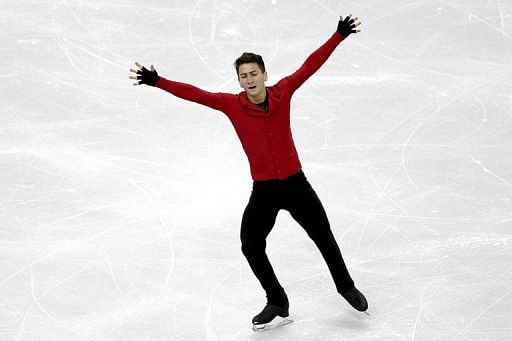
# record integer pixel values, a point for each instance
(348, 25)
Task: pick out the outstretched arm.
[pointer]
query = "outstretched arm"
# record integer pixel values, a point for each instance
(346, 27)
(182, 90)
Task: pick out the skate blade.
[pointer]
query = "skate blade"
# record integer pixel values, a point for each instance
(277, 322)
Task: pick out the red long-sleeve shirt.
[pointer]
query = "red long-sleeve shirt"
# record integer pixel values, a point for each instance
(266, 137)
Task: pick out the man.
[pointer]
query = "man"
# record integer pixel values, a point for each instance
(261, 118)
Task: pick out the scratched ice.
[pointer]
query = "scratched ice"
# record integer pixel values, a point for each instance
(121, 206)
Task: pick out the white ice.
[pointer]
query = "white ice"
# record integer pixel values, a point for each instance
(121, 205)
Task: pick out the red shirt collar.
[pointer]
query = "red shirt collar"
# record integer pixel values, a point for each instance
(250, 108)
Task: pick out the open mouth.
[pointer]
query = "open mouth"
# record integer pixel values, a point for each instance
(252, 87)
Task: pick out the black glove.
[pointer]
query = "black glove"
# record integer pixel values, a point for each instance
(148, 77)
(347, 26)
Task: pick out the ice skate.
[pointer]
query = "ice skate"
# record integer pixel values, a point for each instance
(271, 316)
(356, 299)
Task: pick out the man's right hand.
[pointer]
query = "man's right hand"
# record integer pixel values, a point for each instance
(145, 76)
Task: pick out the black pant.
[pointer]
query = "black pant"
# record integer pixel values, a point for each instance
(295, 195)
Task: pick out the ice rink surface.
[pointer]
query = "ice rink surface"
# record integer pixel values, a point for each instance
(121, 205)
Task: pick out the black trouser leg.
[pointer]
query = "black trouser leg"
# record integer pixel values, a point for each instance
(257, 222)
(305, 207)
(296, 195)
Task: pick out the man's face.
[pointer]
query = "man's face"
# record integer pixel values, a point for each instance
(252, 80)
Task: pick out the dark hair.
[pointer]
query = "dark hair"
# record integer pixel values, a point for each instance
(249, 57)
